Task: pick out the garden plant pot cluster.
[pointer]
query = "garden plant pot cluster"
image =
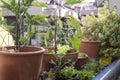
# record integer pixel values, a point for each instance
(29, 62)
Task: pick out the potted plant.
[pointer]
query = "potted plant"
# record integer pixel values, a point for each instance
(108, 35)
(87, 72)
(110, 39)
(82, 60)
(20, 62)
(90, 42)
(63, 42)
(58, 32)
(58, 72)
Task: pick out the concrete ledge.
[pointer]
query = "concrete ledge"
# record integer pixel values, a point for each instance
(110, 73)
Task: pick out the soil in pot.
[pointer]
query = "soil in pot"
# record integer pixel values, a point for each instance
(23, 65)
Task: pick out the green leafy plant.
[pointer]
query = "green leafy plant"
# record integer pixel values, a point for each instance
(68, 71)
(86, 75)
(67, 27)
(110, 31)
(92, 66)
(55, 73)
(90, 28)
(64, 74)
(109, 52)
(75, 42)
(87, 72)
(109, 35)
(62, 31)
(19, 9)
(59, 62)
(31, 28)
(61, 49)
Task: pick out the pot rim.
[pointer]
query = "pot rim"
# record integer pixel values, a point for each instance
(40, 50)
(87, 41)
(71, 53)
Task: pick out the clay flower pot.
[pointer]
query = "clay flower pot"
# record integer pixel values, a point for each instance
(91, 48)
(23, 65)
(80, 62)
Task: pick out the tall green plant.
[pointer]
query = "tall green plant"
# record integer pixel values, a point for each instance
(109, 32)
(19, 8)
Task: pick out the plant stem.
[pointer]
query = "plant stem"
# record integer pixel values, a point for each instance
(55, 39)
(18, 27)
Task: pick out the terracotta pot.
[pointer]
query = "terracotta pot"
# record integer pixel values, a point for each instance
(46, 65)
(23, 65)
(80, 62)
(91, 48)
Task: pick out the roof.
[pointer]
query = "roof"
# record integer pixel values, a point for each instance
(89, 1)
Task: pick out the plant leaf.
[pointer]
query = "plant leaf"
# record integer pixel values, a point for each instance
(74, 22)
(75, 41)
(73, 1)
(39, 4)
